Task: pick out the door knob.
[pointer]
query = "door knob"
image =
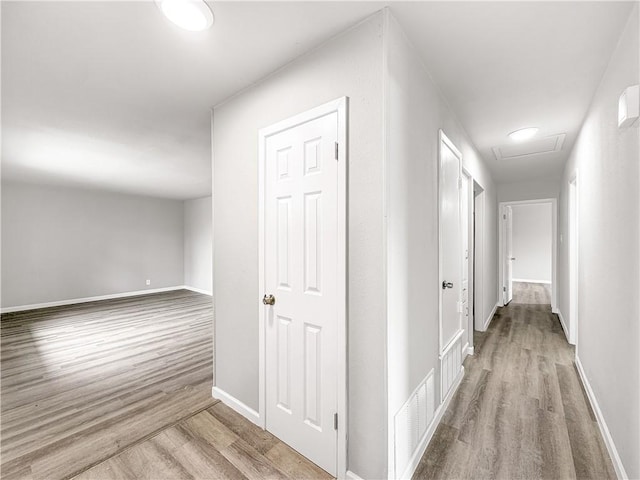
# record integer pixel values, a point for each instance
(269, 300)
(513, 258)
(446, 284)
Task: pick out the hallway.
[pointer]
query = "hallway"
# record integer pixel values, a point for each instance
(521, 411)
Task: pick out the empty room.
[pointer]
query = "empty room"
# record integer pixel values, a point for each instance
(316, 239)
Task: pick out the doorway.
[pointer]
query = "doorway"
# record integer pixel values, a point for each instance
(525, 255)
(450, 266)
(573, 248)
(302, 274)
(480, 323)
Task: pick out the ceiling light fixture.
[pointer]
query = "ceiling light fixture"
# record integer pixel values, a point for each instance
(192, 15)
(523, 134)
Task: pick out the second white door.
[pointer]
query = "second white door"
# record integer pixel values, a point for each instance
(300, 279)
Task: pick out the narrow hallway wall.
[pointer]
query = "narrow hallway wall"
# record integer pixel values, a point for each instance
(606, 161)
(417, 110)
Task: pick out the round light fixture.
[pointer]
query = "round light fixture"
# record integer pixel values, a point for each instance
(192, 15)
(523, 134)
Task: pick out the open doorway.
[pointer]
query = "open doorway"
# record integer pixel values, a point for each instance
(477, 248)
(573, 261)
(528, 252)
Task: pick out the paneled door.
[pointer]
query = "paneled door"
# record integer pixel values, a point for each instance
(302, 285)
(451, 253)
(450, 242)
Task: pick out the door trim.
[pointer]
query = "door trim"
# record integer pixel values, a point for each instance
(478, 256)
(554, 246)
(468, 224)
(443, 139)
(339, 106)
(573, 241)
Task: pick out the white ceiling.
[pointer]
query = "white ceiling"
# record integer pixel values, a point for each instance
(508, 65)
(111, 95)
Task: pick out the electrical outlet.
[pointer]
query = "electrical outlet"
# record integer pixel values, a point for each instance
(148, 282)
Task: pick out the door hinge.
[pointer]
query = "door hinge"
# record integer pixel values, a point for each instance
(336, 150)
(504, 217)
(504, 289)
(335, 421)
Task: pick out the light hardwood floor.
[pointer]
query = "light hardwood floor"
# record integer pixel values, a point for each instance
(82, 382)
(521, 411)
(121, 389)
(214, 444)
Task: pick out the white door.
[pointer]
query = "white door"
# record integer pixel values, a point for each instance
(508, 260)
(450, 241)
(300, 279)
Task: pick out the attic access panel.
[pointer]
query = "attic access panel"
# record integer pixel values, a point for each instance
(535, 147)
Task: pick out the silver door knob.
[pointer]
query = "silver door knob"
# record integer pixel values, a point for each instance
(446, 284)
(269, 300)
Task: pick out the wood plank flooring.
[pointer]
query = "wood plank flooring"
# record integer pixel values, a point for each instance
(82, 382)
(120, 389)
(521, 411)
(216, 443)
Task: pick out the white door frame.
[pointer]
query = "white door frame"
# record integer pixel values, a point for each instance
(339, 106)
(478, 257)
(468, 223)
(573, 249)
(554, 246)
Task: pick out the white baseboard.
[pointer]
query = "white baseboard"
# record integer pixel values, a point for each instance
(487, 321)
(352, 476)
(419, 452)
(564, 325)
(530, 280)
(604, 430)
(71, 301)
(198, 290)
(235, 404)
(467, 350)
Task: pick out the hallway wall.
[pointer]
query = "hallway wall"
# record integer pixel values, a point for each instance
(528, 190)
(606, 159)
(416, 111)
(350, 65)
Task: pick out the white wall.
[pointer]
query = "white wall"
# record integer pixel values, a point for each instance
(198, 243)
(416, 111)
(63, 243)
(348, 65)
(528, 190)
(532, 242)
(607, 161)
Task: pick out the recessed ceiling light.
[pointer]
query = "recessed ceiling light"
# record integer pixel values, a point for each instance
(523, 134)
(192, 15)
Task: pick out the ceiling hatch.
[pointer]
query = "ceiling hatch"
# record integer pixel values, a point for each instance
(534, 147)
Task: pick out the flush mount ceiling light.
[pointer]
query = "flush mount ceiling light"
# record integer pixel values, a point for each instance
(192, 15)
(523, 134)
